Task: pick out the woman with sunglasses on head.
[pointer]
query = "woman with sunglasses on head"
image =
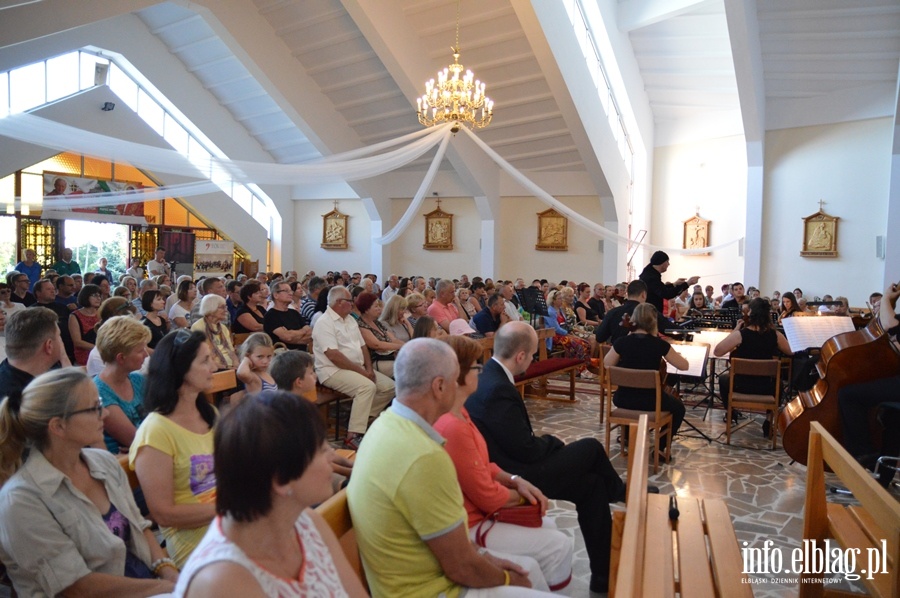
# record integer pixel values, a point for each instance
(487, 488)
(83, 322)
(273, 463)
(172, 448)
(70, 525)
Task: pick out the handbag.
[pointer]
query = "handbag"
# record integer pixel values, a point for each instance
(524, 515)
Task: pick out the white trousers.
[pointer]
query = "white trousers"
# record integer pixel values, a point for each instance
(538, 583)
(369, 398)
(551, 548)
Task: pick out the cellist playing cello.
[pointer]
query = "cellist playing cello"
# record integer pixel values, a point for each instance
(855, 401)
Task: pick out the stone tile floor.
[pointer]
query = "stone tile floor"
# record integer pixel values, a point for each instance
(764, 491)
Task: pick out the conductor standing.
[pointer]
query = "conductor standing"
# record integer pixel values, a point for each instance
(657, 290)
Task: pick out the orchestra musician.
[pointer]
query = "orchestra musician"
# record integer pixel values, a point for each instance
(855, 401)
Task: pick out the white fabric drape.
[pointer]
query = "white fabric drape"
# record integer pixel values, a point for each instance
(362, 163)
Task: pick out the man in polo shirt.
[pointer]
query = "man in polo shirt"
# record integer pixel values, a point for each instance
(33, 347)
(308, 305)
(442, 308)
(158, 265)
(283, 324)
(343, 364)
(65, 293)
(492, 317)
(391, 289)
(405, 500)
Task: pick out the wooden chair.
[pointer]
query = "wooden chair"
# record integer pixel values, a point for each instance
(222, 381)
(238, 338)
(660, 421)
(132, 475)
(863, 527)
(604, 350)
(764, 368)
(336, 513)
(323, 397)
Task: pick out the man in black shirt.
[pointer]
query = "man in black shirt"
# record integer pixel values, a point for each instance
(737, 297)
(611, 328)
(657, 290)
(596, 300)
(45, 295)
(283, 324)
(33, 347)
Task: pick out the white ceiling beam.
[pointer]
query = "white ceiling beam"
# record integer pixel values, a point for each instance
(743, 30)
(405, 57)
(845, 105)
(635, 14)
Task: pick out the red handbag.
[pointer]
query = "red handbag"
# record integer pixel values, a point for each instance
(524, 515)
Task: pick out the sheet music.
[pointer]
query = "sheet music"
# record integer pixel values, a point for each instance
(695, 354)
(804, 333)
(712, 338)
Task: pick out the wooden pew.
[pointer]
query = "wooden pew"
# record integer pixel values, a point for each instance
(697, 555)
(323, 397)
(222, 381)
(545, 366)
(336, 513)
(862, 527)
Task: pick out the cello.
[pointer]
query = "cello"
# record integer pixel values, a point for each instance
(849, 358)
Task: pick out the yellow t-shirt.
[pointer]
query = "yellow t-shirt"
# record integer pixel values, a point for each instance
(403, 492)
(195, 480)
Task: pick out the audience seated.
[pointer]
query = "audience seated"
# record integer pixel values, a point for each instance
(579, 472)
(442, 310)
(180, 312)
(283, 324)
(343, 364)
(110, 308)
(381, 342)
(83, 321)
(416, 307)
(395, 318)
(251, 314)
(213, 315)
(487, 488)
(155, 318)
(122, 345)
(6, 306)
(407, 507)
(468, 310)
(172, 451)
(570, 344)
(272, 464)
(70, 524)
(489, 320)
(45, 296)
(33, 346)
(426, 327)
(256, 355)
(641, 350)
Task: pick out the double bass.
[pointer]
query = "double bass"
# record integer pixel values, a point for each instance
(849, 358)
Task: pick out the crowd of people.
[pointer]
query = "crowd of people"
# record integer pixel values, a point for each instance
(443, 441)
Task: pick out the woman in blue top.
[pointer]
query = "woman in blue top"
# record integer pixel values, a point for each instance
(29, 267)
(571, 345)
(122, 344)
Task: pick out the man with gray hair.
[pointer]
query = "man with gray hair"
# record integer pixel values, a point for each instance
(33, 346)
(343, 364)
(442, 309)
(147, 284)
(406, 502)
(579, 472)
(308, 305)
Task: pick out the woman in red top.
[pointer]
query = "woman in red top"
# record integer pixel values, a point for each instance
(487, 488)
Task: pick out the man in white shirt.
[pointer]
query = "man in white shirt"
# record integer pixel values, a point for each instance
(343, 364)
(506, 291)
(158, 265)
(390, 290)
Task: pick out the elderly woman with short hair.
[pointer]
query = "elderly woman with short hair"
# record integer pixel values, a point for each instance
(214, 313)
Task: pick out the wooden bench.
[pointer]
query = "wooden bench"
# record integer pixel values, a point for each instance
(864, 527)
(336, 513)
(697, 555)
(324, 397)
(222, 381)
(545, 366)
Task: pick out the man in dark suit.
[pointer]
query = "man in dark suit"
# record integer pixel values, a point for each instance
(579, 472)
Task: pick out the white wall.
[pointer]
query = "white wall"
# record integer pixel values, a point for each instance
(517, 256)
(711, 174)
(848, 166)
(308, 253)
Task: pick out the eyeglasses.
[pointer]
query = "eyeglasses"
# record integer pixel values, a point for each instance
(343, 299)
(283, 291)
(98, 409)
(477, 367)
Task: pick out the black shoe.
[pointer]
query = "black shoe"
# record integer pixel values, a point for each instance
(735, 416)
(652, 489)
(767, 429)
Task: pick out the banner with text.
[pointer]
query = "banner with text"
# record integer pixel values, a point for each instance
(213, 258)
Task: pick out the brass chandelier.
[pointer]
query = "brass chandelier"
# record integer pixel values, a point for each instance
(456, 97)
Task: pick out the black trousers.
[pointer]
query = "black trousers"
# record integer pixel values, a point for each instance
(855, 401)
(581, 473)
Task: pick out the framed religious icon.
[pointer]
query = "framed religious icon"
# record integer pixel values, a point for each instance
(553, 231)
(820, 235)
(696, 234)
(334, 230)
(438, 229)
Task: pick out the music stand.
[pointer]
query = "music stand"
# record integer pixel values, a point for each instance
(533, 302)
(697, 355)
